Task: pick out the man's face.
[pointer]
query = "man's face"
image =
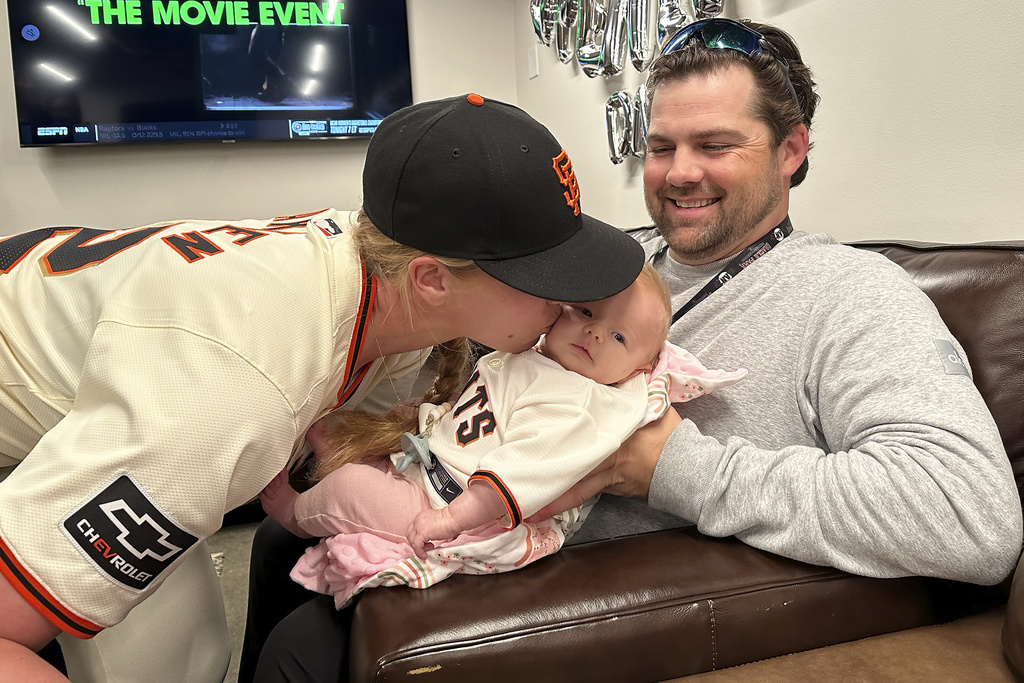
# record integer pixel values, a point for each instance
(713, 181)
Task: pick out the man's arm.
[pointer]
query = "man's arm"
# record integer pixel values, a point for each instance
(909, 475)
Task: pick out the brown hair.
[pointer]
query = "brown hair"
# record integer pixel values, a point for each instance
(352, 435)
(773, 101)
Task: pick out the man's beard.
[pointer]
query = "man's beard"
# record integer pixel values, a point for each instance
(739, 212)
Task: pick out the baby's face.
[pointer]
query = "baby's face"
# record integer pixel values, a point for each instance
(610, 340)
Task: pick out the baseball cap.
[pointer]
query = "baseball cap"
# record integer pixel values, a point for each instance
(479, 179)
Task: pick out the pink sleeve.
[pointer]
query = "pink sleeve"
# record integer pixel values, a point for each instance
(678, 377)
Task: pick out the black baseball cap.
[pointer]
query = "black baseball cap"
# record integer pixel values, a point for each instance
(474, 178)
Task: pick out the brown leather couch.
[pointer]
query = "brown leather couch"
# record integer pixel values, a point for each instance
(673, 604)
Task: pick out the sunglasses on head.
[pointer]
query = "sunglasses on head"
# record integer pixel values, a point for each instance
(718, 33)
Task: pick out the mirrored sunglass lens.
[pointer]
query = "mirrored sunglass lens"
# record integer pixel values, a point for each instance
(734, 38)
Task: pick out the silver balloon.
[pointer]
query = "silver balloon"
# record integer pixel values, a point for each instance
(615, 38)
(639, 39)
(565, 42)
(535, 18)
(705, 9)
(671, 18)
(641, 117)
(549, 19)
(618, 114)
(544, 14)
(568, 11)
(590, 29)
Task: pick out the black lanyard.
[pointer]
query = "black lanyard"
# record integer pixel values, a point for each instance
(737, 264)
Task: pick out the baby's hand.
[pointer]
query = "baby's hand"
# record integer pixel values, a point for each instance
(431, 525)
(278, 499)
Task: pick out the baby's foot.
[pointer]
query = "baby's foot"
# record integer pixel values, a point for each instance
(278, 500)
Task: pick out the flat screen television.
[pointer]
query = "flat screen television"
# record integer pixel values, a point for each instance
(133, 71)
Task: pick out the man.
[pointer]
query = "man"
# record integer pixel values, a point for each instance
(850, 443)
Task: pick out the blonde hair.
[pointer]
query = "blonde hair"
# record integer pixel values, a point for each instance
(652, 280)
(351, 435)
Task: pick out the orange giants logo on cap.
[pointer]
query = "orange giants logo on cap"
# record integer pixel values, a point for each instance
(567, 176)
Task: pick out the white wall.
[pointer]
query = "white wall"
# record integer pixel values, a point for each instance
(457, 47)
(920, 133)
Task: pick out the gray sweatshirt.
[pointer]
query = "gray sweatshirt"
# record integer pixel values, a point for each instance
(858, 440)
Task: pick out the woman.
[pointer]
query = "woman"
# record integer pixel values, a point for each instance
(147, 386)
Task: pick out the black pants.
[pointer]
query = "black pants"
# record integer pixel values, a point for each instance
(291, 634)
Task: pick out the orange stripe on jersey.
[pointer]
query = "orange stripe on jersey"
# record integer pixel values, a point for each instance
(352, 378)
(41, 600)
(294, 220)
(511, 506)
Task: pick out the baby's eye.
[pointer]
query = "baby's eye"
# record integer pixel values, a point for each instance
(619, 338)
(585, 311)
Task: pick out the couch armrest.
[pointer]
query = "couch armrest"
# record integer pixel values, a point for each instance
(641, 608)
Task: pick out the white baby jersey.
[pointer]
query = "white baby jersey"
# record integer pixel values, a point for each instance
(530, 429)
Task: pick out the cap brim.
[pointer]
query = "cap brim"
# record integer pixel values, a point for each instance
(596, 262)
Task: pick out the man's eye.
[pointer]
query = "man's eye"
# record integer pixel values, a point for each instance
(716, 148)
(619, 338)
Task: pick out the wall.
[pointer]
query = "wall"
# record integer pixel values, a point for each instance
(919, 133)
(456, 47)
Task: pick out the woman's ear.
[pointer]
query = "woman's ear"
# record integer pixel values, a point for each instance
(430, 283)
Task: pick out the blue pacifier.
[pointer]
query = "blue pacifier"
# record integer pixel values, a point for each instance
(414, 447)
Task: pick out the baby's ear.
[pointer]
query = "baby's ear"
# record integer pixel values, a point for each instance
(647, 367)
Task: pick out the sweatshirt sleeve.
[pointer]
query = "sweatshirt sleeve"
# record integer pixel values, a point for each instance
(911, 477)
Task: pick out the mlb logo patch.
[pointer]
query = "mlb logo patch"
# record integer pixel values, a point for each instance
(328, 226)
(124, 534)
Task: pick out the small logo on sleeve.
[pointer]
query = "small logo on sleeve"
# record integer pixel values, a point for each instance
(328, 226)
(124, 534)
(951, 360)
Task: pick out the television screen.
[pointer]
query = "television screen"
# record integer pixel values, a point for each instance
(131, 71)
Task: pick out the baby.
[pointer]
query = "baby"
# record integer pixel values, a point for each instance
(526, 428)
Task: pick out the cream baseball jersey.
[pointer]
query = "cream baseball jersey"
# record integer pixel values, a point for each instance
(152, 379)
(530, 429)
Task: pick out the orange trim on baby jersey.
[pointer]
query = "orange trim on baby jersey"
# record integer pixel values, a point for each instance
(41, 600)
(511, 506)
(353, 378)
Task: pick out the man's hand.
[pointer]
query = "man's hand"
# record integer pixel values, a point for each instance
(626, 472)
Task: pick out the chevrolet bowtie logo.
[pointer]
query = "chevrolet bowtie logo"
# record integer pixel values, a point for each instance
(144, 531)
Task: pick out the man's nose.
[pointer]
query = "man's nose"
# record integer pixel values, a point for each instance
(685, 169)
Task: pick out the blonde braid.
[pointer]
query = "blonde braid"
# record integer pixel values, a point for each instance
(357, 435)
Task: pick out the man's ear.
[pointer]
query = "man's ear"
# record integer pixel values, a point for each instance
(430, 283)
(793, 150)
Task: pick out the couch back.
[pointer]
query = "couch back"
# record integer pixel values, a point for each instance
(979, 291)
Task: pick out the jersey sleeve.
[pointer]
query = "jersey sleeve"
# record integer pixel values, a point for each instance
(168, 431)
